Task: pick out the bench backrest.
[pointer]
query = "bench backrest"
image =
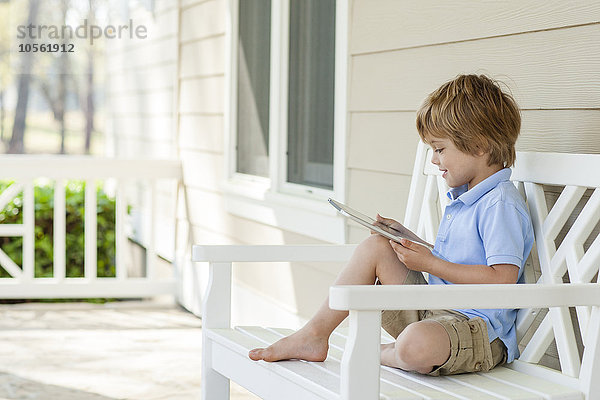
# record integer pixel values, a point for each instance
(567, 247)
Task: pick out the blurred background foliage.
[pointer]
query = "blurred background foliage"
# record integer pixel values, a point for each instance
(44, 211)
(51, 102)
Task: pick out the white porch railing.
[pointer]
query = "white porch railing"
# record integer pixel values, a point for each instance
(23, 169)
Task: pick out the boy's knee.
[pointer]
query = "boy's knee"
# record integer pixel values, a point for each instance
(410, 349)
(413, 349)
(375, 243)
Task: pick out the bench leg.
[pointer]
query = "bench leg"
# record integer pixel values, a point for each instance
(216, 313)
(361, 360)
(214, 385)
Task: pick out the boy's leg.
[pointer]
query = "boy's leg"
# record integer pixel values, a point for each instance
(373, 258)
(444, 342)
(420, 347)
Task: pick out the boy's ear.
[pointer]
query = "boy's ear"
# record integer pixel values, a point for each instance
(481, 151)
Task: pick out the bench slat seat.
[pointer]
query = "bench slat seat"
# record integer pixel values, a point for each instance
(321, 380)
(562, 273)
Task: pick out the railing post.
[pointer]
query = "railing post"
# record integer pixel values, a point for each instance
(183, 242)
(59, 268)
(150, 231)
(120, 237)
(361, 360)
(29, 235)
(216, 313)
(90, 231)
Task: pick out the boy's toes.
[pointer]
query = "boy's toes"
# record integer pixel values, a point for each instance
(267, 354)
(258, 354)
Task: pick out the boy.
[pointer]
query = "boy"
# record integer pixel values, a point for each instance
(485, 236)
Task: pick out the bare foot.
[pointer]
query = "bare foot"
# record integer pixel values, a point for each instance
(388, 356)
(300, 345)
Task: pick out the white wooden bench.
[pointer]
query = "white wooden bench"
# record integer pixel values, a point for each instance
(352, 369)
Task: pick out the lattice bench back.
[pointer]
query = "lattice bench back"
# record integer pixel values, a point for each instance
(567, 247)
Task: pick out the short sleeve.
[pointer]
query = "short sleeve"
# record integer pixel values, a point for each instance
(503, 229)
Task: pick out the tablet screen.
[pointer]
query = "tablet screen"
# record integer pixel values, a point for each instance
(383, 230)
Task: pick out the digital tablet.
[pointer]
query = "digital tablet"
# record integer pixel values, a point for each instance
(383, 230)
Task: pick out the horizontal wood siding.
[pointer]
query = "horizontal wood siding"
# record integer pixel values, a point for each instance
(203, 57)
(547, 53)
(396, 24)
(201, 100)
(203, 19)
(141, 79)
(549, 70)
(140, 98)
(201, 141)
(201, 132)
(154, 127)
(202, 170)
(202, 95)
(375, 132)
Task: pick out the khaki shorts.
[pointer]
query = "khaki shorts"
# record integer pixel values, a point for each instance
(470, 349)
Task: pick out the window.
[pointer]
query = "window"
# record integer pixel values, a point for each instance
(253, 74)
(311, 93)
(286, 112)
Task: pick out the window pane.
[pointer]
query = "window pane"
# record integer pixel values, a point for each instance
(253, 87)
(311, 92)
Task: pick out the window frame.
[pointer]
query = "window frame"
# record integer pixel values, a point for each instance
(273, 200)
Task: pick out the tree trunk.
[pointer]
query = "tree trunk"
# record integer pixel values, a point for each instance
(2, 115)
(54, 88)
(18, 132)
(64, 67)
(89, 95)
(89, 107)
(62, 136)
(62, 100)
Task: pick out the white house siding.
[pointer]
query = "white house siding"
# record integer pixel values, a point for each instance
(141, 77)
(141, 105)
(270, 293)
(547, 53)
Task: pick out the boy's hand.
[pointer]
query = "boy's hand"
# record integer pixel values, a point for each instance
(413, 255)
(386, 222)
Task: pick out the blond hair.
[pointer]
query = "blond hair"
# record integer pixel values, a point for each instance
(476, 115)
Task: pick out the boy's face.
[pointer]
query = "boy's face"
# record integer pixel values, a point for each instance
(459, 168)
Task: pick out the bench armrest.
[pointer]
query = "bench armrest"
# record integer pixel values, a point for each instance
(216, 305)
(424, 297)
(360, 362)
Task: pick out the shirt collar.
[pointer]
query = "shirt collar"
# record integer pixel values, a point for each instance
(469, 197)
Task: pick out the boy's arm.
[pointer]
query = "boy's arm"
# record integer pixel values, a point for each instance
(419, 258)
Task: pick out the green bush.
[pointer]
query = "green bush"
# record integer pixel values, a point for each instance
(44, 211)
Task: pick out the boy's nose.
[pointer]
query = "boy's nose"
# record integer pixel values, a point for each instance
(434, 159)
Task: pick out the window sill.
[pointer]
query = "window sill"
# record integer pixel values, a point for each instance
(310, 217)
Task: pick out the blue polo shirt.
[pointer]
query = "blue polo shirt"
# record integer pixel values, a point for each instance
(487, 225)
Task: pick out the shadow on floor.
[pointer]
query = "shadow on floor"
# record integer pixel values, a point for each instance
(14, 387)
(110, 316)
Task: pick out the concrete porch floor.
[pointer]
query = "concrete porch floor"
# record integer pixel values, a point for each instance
(80, 351)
